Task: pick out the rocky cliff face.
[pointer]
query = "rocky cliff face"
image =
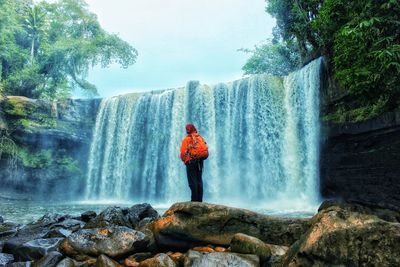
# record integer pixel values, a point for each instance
(45, 145)
(359, 161)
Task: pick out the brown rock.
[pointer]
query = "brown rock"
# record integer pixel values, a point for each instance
(131, 262)
(190, 224)
(141, 256)
(197, 259)
(246, 244)
(220, 249)
(104, 261)
(177, 257)
(49, 260)
(203, 249)
(67, 262)
(160, 260)
(340, 236)
(114, 241)
(108, 217)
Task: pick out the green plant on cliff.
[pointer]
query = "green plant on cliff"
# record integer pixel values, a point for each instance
(342, 115)
(367, 53)
(46, 49)
(7, 145)
(360, 39)
(69, 164)
(37, 160)
(42, 159)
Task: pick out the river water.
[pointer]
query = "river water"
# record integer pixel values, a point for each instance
(26, 211)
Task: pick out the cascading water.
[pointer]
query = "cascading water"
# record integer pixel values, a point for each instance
(262, 134)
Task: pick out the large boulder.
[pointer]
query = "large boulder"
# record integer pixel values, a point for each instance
(113, 241)
(343, 235)
(141, 213)
(108, 217)
(246, 244)
(8, 229)
(6, 258)
(197, 259)
(47, 227)
(35, 249)
(104, 261)
(88, 215)
(49, 260)
(191, 224)
(20, 264)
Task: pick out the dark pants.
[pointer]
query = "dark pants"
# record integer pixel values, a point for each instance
(194, 170)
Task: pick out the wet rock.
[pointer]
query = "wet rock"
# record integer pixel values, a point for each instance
(141, 212)
(150, 239)
(86, 261)
(1, 219)
(68, 224)
(88, 215)
(277, 254)
(189, 224)
(36, 249)
(67, 262)
(50, 218)
(131, 262)
(360, 160)
(197, 259)
(44, 228)
(138, 257)
(177, 257)
(113, 241)
(246, 244)
(6, 258)
(110, 216)
(20, 264)
(8, 229)
(60, 232)
(340, 236)
(104, 261)
(160, 260)
(49, 260)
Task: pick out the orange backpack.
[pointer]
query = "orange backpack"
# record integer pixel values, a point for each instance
(196, 148)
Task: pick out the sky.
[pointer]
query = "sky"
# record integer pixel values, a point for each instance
(179, 41)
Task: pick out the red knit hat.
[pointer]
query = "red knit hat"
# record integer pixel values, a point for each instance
(190, 128)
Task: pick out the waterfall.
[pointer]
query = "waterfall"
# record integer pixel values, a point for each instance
(262, 133)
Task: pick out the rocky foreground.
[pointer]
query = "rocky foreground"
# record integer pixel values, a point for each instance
(201, 234)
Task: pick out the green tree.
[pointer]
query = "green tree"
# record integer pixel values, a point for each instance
(360, 40)
(366, 53)
(47, 49)
(34, 24)
(272, 58)
(294, 23)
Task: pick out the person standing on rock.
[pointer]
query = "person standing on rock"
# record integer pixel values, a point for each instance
(194, 151)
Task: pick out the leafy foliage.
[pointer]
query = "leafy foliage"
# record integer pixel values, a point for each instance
(273, 58)
(46, 49)
(361, 40)
(367, 53)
